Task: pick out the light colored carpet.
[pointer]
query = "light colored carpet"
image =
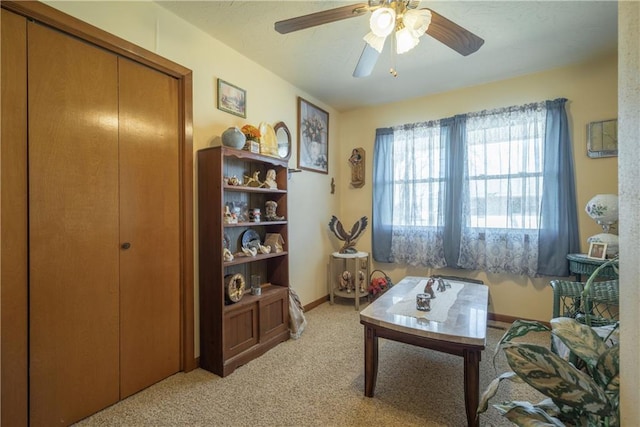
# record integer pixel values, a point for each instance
(318, 380)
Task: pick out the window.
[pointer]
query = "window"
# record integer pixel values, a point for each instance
(505, 159)
(469, 191)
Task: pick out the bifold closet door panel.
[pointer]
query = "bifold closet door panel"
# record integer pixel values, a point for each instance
(73, 227)
(149, 203)
(13, 226)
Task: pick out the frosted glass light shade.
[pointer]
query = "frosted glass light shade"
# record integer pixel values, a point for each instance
(405, 40)
(382, 21)
(417, 21)
(374, 41)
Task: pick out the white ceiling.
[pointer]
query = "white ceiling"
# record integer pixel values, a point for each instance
(521, 37)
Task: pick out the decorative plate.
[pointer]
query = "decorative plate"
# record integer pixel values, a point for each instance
(268, 140)
(249, 239)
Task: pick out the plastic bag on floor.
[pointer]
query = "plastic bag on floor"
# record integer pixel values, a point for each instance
(297, 321)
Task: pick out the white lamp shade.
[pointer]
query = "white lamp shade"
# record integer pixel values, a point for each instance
(603, 208)
(382, 21)
(374, 41)
(405, 41)
(417, 21)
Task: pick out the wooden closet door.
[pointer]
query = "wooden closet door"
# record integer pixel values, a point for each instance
(73, 227)
(13, 220)
(149, 209)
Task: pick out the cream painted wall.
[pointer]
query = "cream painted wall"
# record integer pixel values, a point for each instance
(591, 89)
(269, 98)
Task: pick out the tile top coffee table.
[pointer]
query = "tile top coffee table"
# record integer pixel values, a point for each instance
(460, 331)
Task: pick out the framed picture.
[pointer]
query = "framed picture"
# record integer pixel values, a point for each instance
(232, 99)
(597, 250)
(313, 137)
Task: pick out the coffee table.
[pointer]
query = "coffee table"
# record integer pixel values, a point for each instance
(462, 332)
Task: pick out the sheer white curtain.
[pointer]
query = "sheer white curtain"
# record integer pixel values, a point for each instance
(418, 195)
(502, 190)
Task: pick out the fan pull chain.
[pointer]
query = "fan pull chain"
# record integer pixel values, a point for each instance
(394, 55)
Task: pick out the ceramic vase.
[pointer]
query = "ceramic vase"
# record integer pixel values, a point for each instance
(234, 138)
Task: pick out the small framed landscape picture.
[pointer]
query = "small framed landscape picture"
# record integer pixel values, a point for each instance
(313, 137)
(232, 99)
(597, 250)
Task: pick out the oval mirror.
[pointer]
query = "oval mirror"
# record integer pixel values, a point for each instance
(283, 136)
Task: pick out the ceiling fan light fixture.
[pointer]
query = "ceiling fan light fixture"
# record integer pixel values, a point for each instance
(374, 41)
(417, 21)
(405, 40)
(382, 21)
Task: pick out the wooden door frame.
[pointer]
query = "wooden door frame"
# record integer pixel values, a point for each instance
(60, 21)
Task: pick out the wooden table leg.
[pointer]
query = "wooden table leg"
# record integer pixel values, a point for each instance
(356, 282)
(370, 360)
(471, 385)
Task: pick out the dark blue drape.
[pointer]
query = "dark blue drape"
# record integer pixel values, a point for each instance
(382, 195)
(558, 233)
(454, 138)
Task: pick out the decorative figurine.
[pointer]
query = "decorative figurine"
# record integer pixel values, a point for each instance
(250, 251)
(253, 181)
(270, 211)
(346, 281)
(233, 180)
(428, 289)
(357, 161)
(361, 283)
(270, 180)
(227, 255)
(239, 209)
(255, 214)
(264, 249)
(349, 238)
(229, 217)
(441, 285)
(333, 185)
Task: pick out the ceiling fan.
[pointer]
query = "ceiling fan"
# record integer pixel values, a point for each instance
(400, 20)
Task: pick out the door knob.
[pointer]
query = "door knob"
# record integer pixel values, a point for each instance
(125, 245)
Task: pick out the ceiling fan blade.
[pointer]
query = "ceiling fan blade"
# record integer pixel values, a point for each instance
(319, 18)
(453, 35)
(367, 61)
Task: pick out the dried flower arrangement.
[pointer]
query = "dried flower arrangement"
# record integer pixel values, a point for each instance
(251, 132)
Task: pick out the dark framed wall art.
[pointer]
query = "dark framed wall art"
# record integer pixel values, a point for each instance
(313, 137)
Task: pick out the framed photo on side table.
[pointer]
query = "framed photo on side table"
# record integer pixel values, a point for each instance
(597, 250)
(313, 137)
(232, 99)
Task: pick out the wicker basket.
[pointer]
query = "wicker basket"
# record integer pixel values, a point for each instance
(378, 284)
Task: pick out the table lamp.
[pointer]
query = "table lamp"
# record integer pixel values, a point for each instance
(603, 208)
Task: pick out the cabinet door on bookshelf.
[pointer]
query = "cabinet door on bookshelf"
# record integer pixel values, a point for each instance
(240, 330)
(274, 314)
